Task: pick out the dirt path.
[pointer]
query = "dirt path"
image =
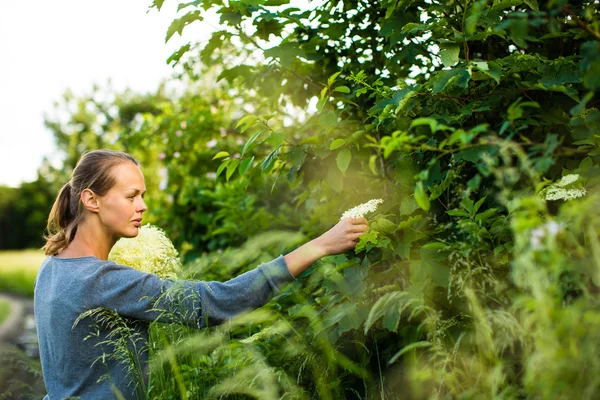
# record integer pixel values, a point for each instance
(11, 327)
(19, 327)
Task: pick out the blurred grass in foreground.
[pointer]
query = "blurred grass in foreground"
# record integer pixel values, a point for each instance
(4, 310)
(18, 269)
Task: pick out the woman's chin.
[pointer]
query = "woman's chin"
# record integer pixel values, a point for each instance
(131, 233)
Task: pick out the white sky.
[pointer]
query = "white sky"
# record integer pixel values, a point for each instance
(49, 46)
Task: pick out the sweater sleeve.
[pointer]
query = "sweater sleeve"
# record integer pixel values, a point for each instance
(139, 295)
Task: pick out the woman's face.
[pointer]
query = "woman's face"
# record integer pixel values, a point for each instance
(121, 208)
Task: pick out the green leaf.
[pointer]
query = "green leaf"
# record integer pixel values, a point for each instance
(276, 139)
(221, 154)
(457, 213)
(475, 12)
(434, 246)
(343, 159)
(408, 205)
(449, 54)
(222, 167)
(420, 196)
(332, 78)
(297, 155)
(176, 56)
(158, 4)
(194, 3)
(590, 65)
(478, 204)
(180, 23)
(245, 72)
(490, 69)
(324, 92)
(266, 28)
(485, 215)
(383, 225)
(500, 5)
(373, 164)
(425, 121)
(390, 306)
(321, 103)
(246, 122)
(408, 348)
(250, 141)
(231, 168)
(328, 119)
(445, 77)
(342, 89)
(286, 53)
(585, 164)
(267, 165)
(337, 143)
(245, 164)
(533, 4)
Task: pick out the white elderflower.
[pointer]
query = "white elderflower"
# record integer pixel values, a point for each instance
(567, 180)
(559, 190)
(360, 210)
(554, 193)
(150, 251)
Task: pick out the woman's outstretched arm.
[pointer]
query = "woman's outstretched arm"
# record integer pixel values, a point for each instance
(342, 237)
(133, 293)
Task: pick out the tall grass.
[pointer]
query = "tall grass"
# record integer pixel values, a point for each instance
(18, 269)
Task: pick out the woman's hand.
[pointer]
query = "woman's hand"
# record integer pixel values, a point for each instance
(342, 237)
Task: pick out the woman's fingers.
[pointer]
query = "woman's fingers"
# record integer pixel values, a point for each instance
(343, 236)
(358, 228)
(356, 224)
(355, 236)
(356, 221)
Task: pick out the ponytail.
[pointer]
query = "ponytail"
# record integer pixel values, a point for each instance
(62, 221)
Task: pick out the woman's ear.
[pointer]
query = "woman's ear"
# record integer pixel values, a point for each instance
(89, 200)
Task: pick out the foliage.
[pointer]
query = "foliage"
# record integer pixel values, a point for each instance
(20, 377)
(24, 212)
(457, 114)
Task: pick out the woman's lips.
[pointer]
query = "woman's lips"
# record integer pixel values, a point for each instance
(137, 223)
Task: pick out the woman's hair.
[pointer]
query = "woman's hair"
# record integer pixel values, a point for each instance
(91, 172)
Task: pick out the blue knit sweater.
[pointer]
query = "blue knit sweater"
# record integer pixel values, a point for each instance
(66, 287)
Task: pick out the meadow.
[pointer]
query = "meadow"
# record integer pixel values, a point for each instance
(18, 269)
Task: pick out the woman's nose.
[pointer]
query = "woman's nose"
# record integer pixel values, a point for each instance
(142, 207)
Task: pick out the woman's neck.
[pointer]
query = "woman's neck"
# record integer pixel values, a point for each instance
(90, 240)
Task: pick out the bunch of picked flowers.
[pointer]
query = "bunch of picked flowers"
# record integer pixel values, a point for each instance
(150, 251)
(362, 209)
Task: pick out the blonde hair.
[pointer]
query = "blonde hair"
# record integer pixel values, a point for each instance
(91, 172)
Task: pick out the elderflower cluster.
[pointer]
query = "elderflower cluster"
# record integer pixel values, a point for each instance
(150, 251)
(559, 190)
(360, 210)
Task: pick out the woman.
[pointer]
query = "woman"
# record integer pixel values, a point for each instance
(103, 202)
